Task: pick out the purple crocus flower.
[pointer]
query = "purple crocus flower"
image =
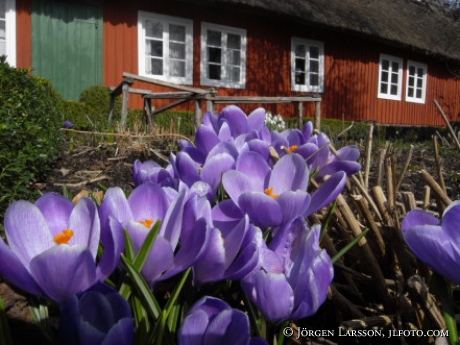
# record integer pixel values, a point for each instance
(100, 315)
(230, 253)
(315, 149)
(68, 124)
(295, 274)
(53, 246)
(150, 171)
(213, 321)
(436, 243)
(183, 217)
(280, 192)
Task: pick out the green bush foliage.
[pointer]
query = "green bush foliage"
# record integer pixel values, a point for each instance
(29, 136)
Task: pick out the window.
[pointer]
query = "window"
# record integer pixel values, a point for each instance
(390, 77)
(165, 48)
(223, 56)
(307, 65)
(416, 82)
(8, 30)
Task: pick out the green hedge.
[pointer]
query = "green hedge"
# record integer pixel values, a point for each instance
(29, 136)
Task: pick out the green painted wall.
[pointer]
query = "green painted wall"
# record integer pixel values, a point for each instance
(67, 44)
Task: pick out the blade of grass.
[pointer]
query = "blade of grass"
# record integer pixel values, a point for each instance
(350, 245)
(5, 335)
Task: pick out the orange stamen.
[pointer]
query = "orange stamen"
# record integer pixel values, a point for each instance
(147, 223)
(269, 191)
(293, 148)
(64, 237)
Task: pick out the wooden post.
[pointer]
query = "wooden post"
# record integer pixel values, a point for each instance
(318, 116)
(124, 105)
(299, 114)
(111, 107)
(148, 111)
(446, 120)
(198, 113)
(210, 106)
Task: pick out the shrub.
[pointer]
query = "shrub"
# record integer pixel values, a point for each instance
(97, 102)
(29, 136)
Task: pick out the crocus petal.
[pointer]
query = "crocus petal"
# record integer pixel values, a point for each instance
(451, 221)
(306, 150)
(259, 146)
(148, 201)
(256, 119)
(262, 209)
(253, 165)
(229, 327)
(26, 230)
(226, 214)
(206, 138)
(116, 205)
(293, 204)
(225, 134)
(187, 169)
(211, 266)
(121, 333)
(327, 192)
(237, 183)
(236, 118)
(418, 217)
(348, 167)
(215, 167)
(90, 334)
(64, 270)
(173, 220)
(192, 330)
(435, 248)
(271, 293)
(56, 209)
(160, 259)
(349, 153)
(289, 173)
(307, 130)
(113, 240)
(84, 221)
(14, 271)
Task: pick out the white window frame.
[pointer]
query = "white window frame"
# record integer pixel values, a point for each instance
(391, 59)
(188, 78)
(307, 87)
(224, 81)
(10, 32)
(416, 65)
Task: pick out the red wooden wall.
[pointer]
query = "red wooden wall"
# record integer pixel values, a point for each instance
(351, 63)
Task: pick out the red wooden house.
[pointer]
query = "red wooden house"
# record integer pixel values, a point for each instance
(369, 60)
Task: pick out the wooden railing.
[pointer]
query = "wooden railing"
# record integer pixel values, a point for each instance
(186, 94)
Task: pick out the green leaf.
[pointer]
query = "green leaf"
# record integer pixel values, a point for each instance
(5, 335)
(444, 288)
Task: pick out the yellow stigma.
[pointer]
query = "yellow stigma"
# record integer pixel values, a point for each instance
(293, 148)
(269, 191)
(147, 223)
(64, 237)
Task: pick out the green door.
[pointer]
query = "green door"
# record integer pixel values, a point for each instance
(67, 44)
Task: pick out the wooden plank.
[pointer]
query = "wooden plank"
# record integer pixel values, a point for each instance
(116, 91)
(299, 115)
(164, 83)
(198, 113)
(124, 105)
(255, 99)
(169, 106)
(169, 95)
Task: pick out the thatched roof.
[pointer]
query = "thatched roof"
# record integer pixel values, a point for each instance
(414, 24)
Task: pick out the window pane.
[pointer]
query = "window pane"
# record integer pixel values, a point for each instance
(153, 29)
(411, 70)
(177, 50)
(314, 52)
(177, 68)
(300, 65)
(214, 72)
(2, 8)
(300, 50)
(314, 79)
(234, 57)
(2, 30)
(2, 48)
(410, 92)
(384, 88)
(154, 66)
(395, 66)
(154, 48)
(214, 54)
(385, 65)
(233, 73)
(214, 38)
(411, 81)
(300, 78)
(394, 78)
(420, 72)
(385, 77)
(176, 33)
(419, 93)
(314, 66)
(394, 90)
(234, 41)
(419, 83)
